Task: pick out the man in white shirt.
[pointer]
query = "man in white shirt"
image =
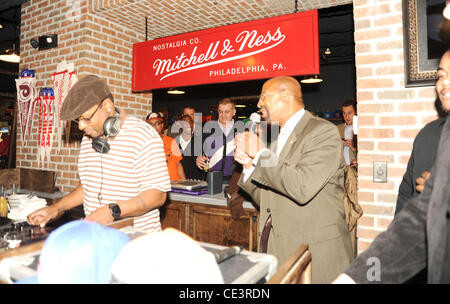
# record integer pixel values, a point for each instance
(346, 132)
(298, 183)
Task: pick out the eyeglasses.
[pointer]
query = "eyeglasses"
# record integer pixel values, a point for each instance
(262, 97)
(87, 120)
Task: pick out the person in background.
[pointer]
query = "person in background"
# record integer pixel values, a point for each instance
(298, 183)
(190, 111)
(4, 147)
(352, 207)
(122, 168)
(175, 130)
(171, 150)
(220, 140)
(187, 142)
(418, 237)
(347, 134)
(422, 158)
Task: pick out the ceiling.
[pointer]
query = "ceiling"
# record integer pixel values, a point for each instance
(171, 17)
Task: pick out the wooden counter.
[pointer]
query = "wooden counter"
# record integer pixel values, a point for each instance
(206, 218)
(216, 199)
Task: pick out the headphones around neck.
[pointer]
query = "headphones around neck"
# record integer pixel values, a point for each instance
(111, 128)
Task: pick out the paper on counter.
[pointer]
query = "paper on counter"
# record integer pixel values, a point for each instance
(23, 205)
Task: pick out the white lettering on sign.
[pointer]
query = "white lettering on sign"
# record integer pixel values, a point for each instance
(168, 45)
(237, 71)
(248, 43)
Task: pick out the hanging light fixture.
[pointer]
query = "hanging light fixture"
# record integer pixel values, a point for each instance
(311, 79)
(10, 55)
(175, 91)
(446, 12)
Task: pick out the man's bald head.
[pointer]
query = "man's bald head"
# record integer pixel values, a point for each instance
(286, 83)
(281, 97)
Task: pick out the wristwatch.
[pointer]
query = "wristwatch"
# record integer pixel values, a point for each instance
(115, 211)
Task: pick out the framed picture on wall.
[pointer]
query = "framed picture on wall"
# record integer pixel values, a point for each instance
(425, 40)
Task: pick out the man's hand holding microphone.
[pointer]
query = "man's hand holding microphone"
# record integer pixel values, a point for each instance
(248, 143)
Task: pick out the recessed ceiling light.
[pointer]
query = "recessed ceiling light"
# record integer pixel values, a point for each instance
(175, 91)
(311, 79)
(10, 56)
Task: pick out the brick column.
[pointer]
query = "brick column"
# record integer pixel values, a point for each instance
(96, 46)
(390, 115)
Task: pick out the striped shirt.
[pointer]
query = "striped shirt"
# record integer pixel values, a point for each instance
(135, 163)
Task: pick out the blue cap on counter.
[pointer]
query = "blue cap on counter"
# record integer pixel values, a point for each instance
(78, 252)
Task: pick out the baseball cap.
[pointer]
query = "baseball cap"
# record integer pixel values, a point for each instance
(85, 93)
(78, 252)
(166, 257)
(154, 115)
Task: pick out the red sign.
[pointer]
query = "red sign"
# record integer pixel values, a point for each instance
(284, 45)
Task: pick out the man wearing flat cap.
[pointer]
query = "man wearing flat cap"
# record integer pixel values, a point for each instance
(122, 167)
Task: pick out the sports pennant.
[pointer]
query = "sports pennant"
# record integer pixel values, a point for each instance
(46, 124)
(64, 78)
(27, 94)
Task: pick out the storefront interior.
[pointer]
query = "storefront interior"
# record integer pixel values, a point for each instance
(337, 71)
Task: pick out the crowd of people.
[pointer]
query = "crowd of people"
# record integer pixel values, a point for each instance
(299, 182)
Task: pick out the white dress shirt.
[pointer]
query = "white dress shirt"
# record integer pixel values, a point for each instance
(348, 134)
(184, 143)
(285, 132)
(227, 129)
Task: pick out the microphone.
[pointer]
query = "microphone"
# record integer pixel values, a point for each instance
(224, 254)
(255, 119)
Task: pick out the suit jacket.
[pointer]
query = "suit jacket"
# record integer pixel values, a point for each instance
(418, 237)
(422, 158)
(303, 191)
(341, 128)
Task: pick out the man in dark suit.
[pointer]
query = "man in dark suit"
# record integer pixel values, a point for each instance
(422, 158)
(298, 183)
(419, 236)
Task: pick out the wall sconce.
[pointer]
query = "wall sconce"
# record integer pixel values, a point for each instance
(311, 79)
(45, 42)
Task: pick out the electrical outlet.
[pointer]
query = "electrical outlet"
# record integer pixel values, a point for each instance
(380, 172)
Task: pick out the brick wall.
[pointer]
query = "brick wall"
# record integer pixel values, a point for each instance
(96, 46)
(390, 115)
